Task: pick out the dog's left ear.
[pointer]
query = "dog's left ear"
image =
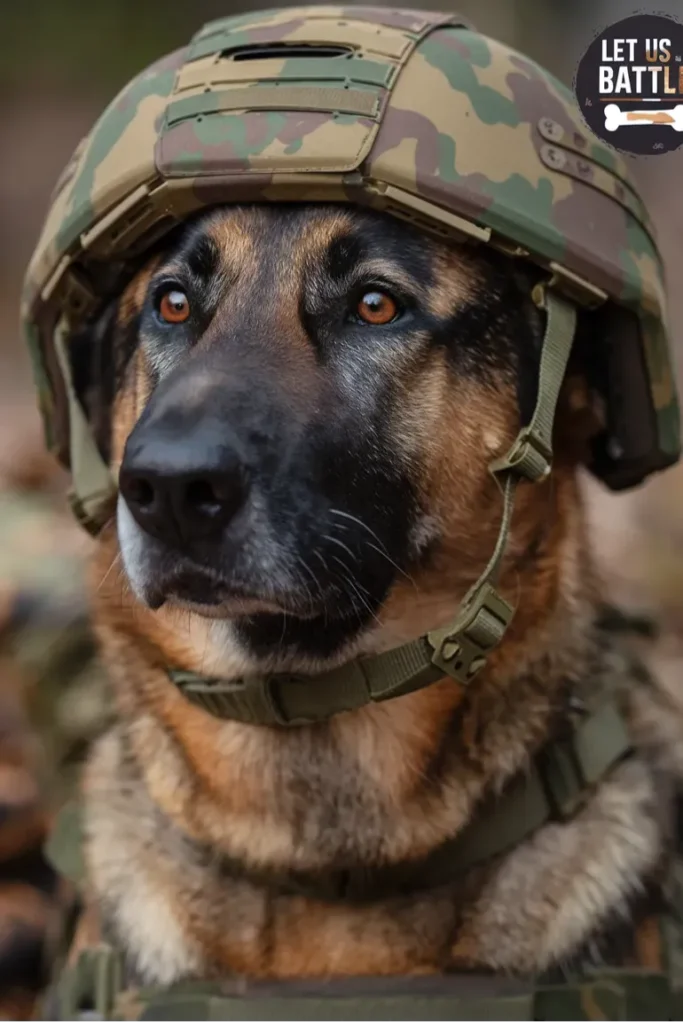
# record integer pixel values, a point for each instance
(581, 412)
(102, 350)
(96, 355)
(580, 420)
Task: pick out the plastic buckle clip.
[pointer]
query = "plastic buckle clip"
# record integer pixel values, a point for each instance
(461, 649)
(529, 457)
(89, 989)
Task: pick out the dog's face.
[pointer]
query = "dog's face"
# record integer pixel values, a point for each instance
(307, 403)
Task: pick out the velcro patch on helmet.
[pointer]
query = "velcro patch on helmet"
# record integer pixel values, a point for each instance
(280, 92)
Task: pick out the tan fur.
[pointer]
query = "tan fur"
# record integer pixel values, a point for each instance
(455, 277)
(171, 790)
(581, 870)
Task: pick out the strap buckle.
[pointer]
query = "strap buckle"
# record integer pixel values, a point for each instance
(88, 990)
(461, 649)
(529, 456)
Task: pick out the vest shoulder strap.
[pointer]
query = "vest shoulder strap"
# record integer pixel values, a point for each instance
(554, 786)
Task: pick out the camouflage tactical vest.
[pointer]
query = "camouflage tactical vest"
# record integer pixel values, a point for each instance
(645, 990)
(643, 981)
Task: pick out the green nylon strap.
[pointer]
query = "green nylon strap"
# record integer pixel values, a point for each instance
(297, 700)
(555, 784)
(531, 454)
(64, 846)
(92, 482)
(458, 650)
(92, 985)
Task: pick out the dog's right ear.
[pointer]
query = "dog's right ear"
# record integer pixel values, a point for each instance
(100, 352)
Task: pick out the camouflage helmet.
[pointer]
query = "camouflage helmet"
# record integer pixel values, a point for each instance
(410, 112)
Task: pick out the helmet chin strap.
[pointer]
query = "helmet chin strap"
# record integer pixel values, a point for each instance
(458, 650)
(92, 484)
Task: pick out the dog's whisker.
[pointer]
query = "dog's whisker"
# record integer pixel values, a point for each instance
(205, 650)
(391, 561)
(380, 547)
(358, 522)
(307, 569)
(339, 543)
(284, 628)
(364, 602)
(320, 590)
(321, 559)
(340, 561)
(358, 589)
(115, 563)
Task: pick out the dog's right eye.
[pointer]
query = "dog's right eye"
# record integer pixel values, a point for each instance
(376, 307)
(173, 306)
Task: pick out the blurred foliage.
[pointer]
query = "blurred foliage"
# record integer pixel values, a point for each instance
(67, 43)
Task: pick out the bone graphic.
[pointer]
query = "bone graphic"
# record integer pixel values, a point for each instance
(615, 117)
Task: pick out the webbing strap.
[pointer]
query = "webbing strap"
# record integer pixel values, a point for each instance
(458, 650)
(298, 700)
(92, 482)
(553, 787)
(532, 452)
(92, 984)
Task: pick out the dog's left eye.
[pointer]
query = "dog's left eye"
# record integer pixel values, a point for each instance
(174, 306)
(376, 307)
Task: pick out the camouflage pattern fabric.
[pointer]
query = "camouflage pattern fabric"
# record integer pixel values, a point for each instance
(52, 702)
(406, 111)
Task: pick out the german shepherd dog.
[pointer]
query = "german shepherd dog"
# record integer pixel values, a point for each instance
(301, 402)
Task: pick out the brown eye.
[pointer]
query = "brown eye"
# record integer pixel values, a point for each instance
(377, 308)
(174, 307)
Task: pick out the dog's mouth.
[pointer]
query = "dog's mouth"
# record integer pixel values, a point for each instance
(243, 577)
(206, 593)
(269, 584)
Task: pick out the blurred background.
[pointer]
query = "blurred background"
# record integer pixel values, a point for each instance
(61, 61)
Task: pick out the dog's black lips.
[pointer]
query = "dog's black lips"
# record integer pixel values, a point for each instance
(195, 587)
(204, 590)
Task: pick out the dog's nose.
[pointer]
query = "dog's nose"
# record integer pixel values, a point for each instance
(182, 491)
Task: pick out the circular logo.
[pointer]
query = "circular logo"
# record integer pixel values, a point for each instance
(629, 84)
